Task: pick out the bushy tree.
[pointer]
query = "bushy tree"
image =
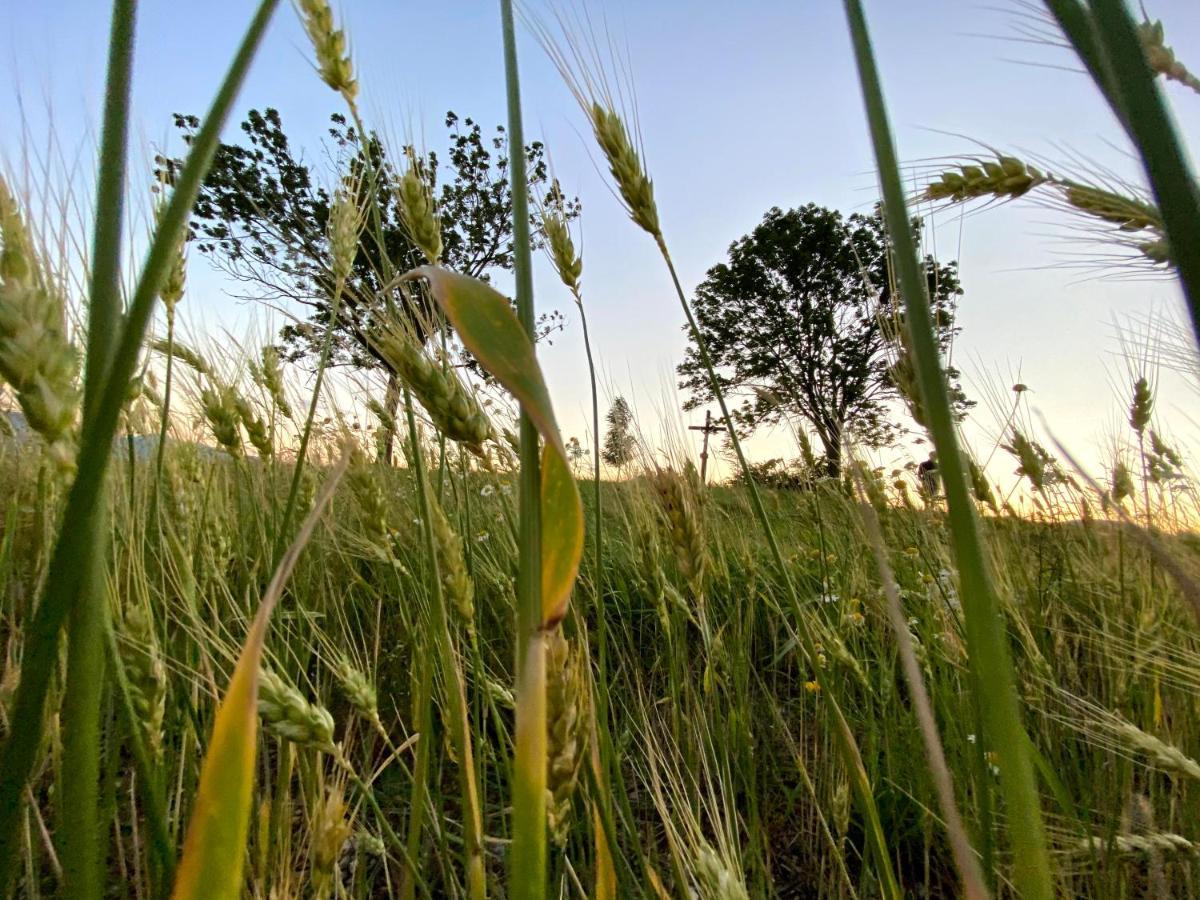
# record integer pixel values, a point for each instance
(261, 217)
(802, 323)
(619, 441)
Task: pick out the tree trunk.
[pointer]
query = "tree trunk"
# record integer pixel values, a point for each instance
(831, 442)
(391, 403)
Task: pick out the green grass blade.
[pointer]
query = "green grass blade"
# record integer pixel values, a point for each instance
(66, 575)
(1150, 126)
(986, 638)
(80, 830)
(104, 300)
(527, 867)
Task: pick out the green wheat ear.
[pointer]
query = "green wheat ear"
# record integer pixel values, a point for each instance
(418, 212)
(450, 403)
(567, 262)
(36, 356)
(329, 46)
(1005, 177)
(634, 186)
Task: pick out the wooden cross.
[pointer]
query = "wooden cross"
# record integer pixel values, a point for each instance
(708, 428)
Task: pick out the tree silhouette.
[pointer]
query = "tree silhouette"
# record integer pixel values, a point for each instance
(802, 323)
(619, 442)
(261, 217)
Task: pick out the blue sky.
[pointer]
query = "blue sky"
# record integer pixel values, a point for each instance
(742, 106)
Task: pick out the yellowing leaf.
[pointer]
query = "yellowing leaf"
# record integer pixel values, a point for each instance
(490, 329)
(214, 850)
(215, 847)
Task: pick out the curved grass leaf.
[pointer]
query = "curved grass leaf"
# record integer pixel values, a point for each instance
(215, 848)
(214, 851)
(489, 328)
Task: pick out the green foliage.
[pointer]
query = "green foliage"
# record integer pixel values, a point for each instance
(620, 443)
(745, 682)
(803, 322)
(262, 217)
(784, 475)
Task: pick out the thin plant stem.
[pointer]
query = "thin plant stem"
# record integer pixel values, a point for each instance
(527, 867)
(289, 510)
(80, 827)
(987, 641)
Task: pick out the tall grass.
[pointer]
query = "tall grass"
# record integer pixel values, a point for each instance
(812, 687)
(76, 556)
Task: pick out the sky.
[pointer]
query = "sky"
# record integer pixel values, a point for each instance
(742, 107)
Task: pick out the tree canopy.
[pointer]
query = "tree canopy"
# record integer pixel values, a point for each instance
(619, 440)
(261, 216)
(802, 323)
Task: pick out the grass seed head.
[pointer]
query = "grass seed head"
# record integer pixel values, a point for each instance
(1161, 58)
(345, 225)
(1127, 213)
(1139, 845)
(270, 377)
(286, 712)
(450, 404)
(1142, 406)
(1033, 461)
(364, 486)
(183, 354)
(715, 879)
(145, 672)
(418, 212)
(681, 515)
(220, 407)
(175, 280)
(257, 431)
(329, 833)
(1122, 482)
(17, 259)
(635, 188)
(329, 45)
(357, 687)
(980, 486)
(36, 357)
(1166, 756)
(1005, 177)
(386, 429)
(567, 263)
(452, 567)
(566, 729)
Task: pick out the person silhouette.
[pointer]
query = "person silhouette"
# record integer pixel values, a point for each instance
(931, 481)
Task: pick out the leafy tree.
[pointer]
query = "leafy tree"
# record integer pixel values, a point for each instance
(619, 442)
(261, 218)
(802, 323)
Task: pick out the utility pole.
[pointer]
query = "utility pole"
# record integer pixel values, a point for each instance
(708, 428)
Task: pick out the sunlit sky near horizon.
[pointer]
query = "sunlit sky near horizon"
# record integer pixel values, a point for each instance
(742, 107)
